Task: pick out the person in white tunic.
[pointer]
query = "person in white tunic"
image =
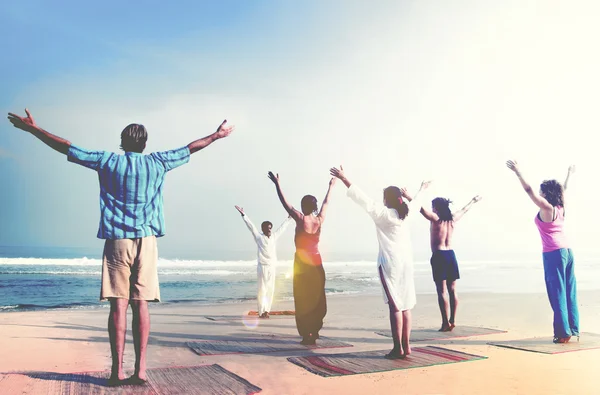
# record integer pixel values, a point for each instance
(267, 260)
(394, 262)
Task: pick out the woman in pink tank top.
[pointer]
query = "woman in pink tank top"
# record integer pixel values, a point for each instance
(559, 269)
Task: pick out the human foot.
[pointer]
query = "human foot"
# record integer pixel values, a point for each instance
(561, 339)
(136, 380)
(452, 326)
(395, 354)
(445, 328)
(115, 381)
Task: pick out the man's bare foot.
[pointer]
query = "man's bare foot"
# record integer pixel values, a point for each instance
(445, 328)
(452, 326)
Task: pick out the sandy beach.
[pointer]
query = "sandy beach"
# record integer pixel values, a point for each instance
(76, 340)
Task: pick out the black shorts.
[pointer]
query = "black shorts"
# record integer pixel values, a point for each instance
(444, 266)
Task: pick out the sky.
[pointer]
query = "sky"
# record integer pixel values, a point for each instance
(396, 91)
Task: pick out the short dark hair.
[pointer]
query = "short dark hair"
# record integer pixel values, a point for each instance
(393, 199)
(553, 192)
(265, 224)
(442, 206)
(133, 138)
(309, 205)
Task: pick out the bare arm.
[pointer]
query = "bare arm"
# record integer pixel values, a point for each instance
(535, 197)
(339, 173)
(569, 172)
(28, 124)
(325, 204)
(458, 215)
(295, 214)
(222, 131)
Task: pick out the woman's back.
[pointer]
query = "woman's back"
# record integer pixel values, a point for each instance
(308, 232)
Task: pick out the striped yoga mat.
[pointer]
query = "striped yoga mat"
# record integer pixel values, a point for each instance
(420, 335)
(259, 344)
(196, 380)
(544, 345)
(328, 365)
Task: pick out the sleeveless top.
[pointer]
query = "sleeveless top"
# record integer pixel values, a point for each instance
(553, 233)
(308, 242)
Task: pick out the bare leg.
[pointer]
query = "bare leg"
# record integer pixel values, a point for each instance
(406, 327)
(453, 303)
(443, 302)
(396, 323)
(117, 326)
(141, 332)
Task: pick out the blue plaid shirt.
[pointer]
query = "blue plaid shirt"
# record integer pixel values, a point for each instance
(131, 200)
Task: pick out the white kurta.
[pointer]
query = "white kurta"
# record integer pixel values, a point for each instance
(267, 262)
(395, 250)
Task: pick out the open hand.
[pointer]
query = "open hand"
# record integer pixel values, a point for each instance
(240, 209)
(274, 177)
(571, 169)
(476, 198)
(512, 164)
(24, 123)
(332, 181)
(425, 184)
(337, 173)
(404, 192)
(223, 130)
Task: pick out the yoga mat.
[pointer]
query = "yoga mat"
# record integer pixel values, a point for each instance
(587, 341)
(194, 380)
(328, 365)
(244, 317)
(259, 344)
(277, 313)
(421, 335)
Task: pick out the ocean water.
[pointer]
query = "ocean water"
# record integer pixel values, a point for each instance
(66, 278)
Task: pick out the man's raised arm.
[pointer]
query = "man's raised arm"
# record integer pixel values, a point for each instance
(222, 131)
(28, 124)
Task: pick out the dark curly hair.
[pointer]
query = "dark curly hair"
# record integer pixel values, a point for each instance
(553, 192)
(393, 199)
(442, 208)
(133, 138)
(308, 204)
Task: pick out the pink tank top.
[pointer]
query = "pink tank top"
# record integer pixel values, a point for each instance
(553, 233)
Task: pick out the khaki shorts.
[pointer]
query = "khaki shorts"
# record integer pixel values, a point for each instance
(129, 269)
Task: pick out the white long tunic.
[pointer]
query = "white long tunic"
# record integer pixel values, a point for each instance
(267, 261)
(395, 250)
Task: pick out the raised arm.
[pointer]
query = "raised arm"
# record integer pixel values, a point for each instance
(248, 223)
(375, 210)
(28, 124)
(458, 215)
(339, 173)
(295, 214)
(569, 172)
(413, 201)
(282, 227)
(325, 204)
(222, 131)
(535, 197)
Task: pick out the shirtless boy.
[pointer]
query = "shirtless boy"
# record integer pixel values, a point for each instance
(443, 260)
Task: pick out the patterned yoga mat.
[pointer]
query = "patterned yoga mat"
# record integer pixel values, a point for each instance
(587, 341)
(247, 317)
(328, 365)
(420, 335)
(196, 380)
(259, 344)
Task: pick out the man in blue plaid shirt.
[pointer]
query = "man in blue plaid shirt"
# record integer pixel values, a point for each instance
(131, 218)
